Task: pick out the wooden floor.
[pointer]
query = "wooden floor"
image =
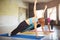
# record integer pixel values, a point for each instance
(52, 36)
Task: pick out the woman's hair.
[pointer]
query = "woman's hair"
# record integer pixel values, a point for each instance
(41, 20)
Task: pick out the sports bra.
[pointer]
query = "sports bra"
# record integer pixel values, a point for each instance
(31, 20)
(48, 19)
(31, 24)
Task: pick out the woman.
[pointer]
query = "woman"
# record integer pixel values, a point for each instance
(27, 23)
(49, 20)
(42, 22)
(30, 23)
(42, 19)
(24, 25)
(52, 24)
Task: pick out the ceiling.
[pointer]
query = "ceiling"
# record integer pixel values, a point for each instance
(31, 1)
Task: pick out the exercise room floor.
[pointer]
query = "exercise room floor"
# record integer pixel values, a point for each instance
(52, 36)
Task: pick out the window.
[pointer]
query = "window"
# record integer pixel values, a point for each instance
(59, 11)
(21, 14)
(53, 11)
(39, 13)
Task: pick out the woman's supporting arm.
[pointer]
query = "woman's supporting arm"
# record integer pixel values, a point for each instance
(35, 24)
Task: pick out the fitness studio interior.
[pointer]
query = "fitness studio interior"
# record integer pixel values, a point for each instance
(18, 20)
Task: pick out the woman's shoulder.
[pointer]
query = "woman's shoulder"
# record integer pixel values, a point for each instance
(31, 18)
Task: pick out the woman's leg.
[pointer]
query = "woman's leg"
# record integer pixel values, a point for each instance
(21, 27)
(15, 31)
(52, 23)
(38, 25)
(49, 26)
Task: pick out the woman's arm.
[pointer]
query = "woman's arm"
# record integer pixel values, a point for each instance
(35, 2)
(44, 11)
(35, 24)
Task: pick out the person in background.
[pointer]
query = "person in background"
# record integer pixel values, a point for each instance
(49, 20)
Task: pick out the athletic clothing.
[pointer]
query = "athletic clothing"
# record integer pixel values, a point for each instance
(31, 20)
(31, 26)
(38, 25)
(48, 20)
(23, 26)
(52, 23)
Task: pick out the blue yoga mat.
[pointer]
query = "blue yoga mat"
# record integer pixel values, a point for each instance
(22, 36)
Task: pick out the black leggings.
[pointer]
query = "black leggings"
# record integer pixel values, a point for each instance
(38, 25)
(21, 27)
(52, 24)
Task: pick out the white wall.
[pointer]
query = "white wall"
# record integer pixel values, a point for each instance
(21, 14)
(9, 13)
(8, 23)
(22, 4)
